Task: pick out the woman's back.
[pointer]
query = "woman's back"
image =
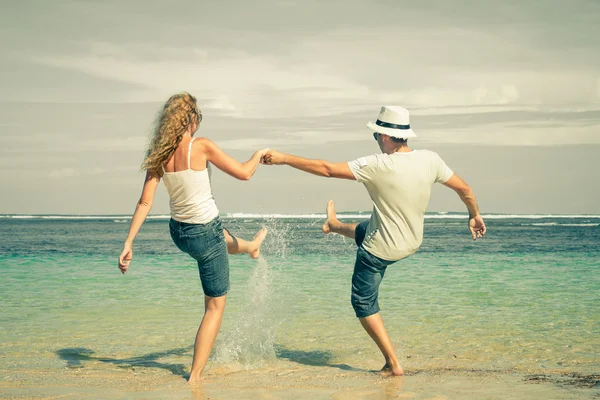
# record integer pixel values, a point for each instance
(195, 227)
(190, 192)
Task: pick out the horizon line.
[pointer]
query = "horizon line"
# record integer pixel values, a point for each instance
(307, 215)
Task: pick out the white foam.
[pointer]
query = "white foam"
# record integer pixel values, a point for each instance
(440, 215)
(290, 216)
(557, 224)
(115, 218)
(536, 216)
(365, 215)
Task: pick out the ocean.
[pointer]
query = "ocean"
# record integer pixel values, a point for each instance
(513, 315)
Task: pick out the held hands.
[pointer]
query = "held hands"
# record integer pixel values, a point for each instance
(273, 157)
(125, 258)
(477, 227)
(261, 153)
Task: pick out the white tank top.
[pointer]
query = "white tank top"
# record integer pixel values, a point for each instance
(191, 194)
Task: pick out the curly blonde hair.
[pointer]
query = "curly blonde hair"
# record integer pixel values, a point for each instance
(178, 113)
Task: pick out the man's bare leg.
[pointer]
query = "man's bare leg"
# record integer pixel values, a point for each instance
(236, 245)
(373, 324)
(207, 333)
(333, 225)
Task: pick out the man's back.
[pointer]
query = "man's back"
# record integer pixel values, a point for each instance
(400, 186)
(399, 182)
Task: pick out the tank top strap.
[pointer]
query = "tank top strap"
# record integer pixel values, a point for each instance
(190, 153)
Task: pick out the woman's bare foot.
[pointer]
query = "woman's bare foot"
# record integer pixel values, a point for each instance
(195, 380)
(387, 370)
(256, 243)
(198, 392)
(331, 218)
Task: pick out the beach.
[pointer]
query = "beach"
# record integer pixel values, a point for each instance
(514, 315)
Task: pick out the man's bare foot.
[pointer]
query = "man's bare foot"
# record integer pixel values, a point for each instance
(331, 218)
(387, 370)
(256, 243)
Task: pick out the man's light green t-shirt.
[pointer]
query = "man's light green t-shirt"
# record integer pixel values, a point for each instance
(400, 186)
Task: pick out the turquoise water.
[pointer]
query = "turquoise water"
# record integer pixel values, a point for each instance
(525, 299)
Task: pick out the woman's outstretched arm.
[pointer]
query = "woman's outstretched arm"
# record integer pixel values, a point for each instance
(142, 209)
(229, 165)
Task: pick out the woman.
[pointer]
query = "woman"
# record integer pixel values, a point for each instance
(183, 161)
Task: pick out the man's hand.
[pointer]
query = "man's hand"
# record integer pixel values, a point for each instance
(273, 157)
(125, 258)
(477, 227)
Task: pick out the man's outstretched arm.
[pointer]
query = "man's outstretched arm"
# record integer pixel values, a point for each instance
(464, 191)
(317, 167)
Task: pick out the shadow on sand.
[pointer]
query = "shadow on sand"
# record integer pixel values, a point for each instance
(313, 358)
(76, 355)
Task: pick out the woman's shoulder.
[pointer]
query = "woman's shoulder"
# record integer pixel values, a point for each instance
(204, 147)
(201, 144)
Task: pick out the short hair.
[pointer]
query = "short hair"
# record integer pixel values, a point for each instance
(398, 140)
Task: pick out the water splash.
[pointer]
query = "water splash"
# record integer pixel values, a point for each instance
(277, 245)
(251, 342)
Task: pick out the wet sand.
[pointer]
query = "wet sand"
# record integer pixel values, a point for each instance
(288, 380)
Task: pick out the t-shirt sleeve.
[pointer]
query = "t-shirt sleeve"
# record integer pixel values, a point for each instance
(364, 168)
(442, 171)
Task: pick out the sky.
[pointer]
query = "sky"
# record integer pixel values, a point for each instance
(508, 93)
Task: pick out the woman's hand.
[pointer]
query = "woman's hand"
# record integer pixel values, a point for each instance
(261, 154)
(125, 258)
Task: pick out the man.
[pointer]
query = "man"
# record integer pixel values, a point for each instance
(399, 182)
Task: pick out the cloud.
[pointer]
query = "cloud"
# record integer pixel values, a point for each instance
(46, 143)
(516, 129)
(62, 173)
(235, 83)
(323, 75)
(515, 136)
(90, 77)
(254, 61)
(499, 109)
(298, 139)
(506, 128)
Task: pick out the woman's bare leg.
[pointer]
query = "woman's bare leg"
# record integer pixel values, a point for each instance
(333, 225)
(207, 333)
(236, 245)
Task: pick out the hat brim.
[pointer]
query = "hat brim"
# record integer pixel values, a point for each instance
(397, 133)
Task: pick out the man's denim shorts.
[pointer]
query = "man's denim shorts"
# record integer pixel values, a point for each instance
(368, 273)
(206, 244)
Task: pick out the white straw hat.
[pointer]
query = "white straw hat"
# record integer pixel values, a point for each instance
(393, 121)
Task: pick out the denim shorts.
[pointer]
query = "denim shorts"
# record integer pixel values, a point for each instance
(206, 244)
(368, 273)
